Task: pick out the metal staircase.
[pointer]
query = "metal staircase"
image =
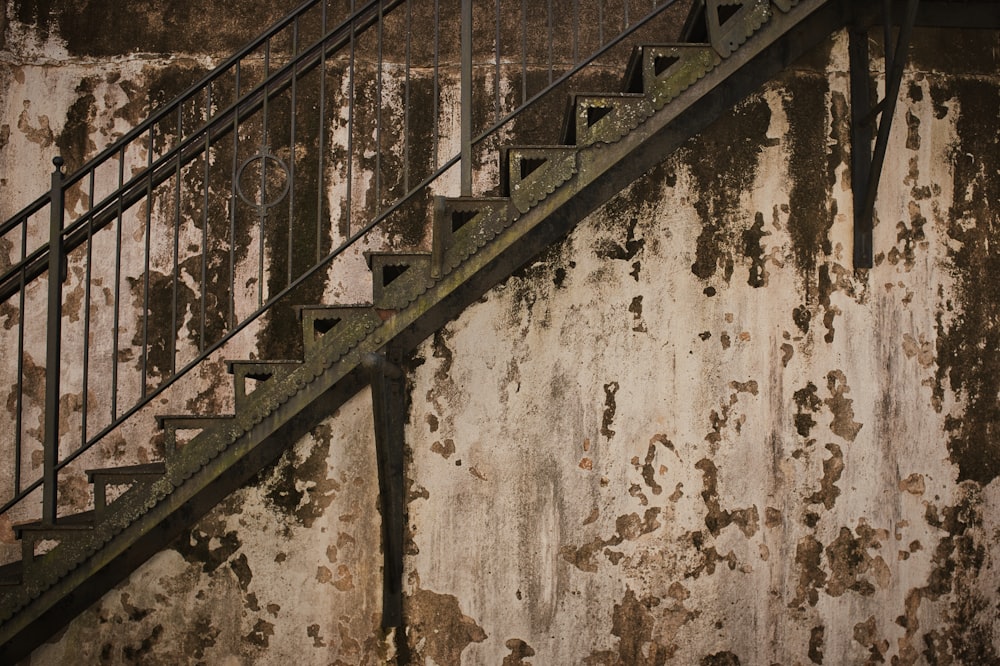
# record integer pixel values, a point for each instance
(670, 92)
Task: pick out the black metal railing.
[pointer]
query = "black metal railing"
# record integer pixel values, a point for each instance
(195, 234)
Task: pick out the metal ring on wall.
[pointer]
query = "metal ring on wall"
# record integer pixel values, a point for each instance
(264, 156)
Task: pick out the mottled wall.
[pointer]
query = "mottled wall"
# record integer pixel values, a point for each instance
(698, 436)
(695, 434)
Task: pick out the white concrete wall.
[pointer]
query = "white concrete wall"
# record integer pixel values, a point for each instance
(690, 433)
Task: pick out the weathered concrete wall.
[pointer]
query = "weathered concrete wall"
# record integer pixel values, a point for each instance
(696, 435)
(690, 433)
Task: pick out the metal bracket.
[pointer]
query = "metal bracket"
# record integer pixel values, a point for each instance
(388, 384)
(866, 169)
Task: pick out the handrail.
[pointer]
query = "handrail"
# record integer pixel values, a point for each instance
(188, 149)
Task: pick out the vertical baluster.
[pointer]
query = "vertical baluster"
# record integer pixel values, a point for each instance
(19, 408)
(206, 151)
(406, 100)
(524, 52)
(466, 111)
(378, 111)
(437, 52)
(322, 139)
(496, 67)
(53, 346)
(345, 224)
(88, 272)
(293, 119)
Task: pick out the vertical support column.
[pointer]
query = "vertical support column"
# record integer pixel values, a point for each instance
(466, 98)
(864, 201)
(388, 385)
(861, 144)
(53, 329)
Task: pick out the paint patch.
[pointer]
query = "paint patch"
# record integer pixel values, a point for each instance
(843, 423)
(632, 622)
(610, 389)
(717, 518)
(438, 629)
(519, 650)
(833, 467)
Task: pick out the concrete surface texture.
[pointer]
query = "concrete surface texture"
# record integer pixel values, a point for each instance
(689, 433)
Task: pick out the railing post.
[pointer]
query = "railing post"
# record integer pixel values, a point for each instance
(466, 98)
(53, 346)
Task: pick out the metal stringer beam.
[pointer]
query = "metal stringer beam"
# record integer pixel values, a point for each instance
(388, 384)
(867, 169)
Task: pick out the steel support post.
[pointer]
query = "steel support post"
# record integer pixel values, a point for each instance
(388, 385)
(895, 60)
(50, 456)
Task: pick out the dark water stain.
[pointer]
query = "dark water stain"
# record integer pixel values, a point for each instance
(145, 648)
(299, 486)
(209, 548)
(99, 28)
(74, 142)
(810, 217)
(816, 635)
(966, 632)
(202, 636)
(740, 135)
(608, 248)
(298, 232)
(156, 334)
(754, 251)
(437, 628)
(241, 568)
(974, 256)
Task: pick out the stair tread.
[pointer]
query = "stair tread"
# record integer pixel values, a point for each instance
(193, 419)
(128, 470)
(231, 364)
(75, 522)
(321, 306)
